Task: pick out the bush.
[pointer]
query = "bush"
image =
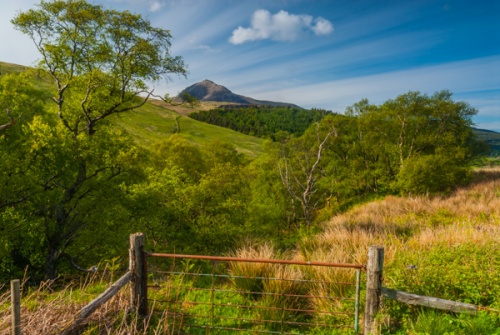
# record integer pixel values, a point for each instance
(431, 174)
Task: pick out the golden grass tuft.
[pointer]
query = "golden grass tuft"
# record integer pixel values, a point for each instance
(249, 277)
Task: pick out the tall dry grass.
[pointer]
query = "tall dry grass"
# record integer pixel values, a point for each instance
(471, 214)
(409, 226)
(249, 277)
(293, 293)
(50, 308)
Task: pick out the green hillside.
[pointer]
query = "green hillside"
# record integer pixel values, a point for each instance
(9, 68)
(152, 123)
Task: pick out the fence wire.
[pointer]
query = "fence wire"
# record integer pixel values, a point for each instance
(224, 295)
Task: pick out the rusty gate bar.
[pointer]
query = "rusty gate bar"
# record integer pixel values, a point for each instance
(211, 315)
(255, 260)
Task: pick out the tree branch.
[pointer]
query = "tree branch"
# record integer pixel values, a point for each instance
(10, 123)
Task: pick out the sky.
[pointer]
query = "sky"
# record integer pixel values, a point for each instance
(319, 53)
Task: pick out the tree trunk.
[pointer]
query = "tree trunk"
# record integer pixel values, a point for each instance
(51, 262)
(62, 233)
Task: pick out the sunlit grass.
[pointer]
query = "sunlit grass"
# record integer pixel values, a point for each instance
(151, 124)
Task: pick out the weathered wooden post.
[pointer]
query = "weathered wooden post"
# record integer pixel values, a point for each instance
(138, 270)
(374, 270)
(15, 297)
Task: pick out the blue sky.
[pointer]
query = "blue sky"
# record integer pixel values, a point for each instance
(315, 53)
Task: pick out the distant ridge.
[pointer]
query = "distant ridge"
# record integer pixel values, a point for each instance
(207, 90)
(490, 137)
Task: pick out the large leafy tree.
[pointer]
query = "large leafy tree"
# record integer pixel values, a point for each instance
(99, 59)
(405, 141)
(100, 62)
(415, 143)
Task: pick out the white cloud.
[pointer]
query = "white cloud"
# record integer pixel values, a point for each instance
(281, 26)
(322, 26)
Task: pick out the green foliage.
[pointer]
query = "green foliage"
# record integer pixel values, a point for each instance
(192, 199)
(17, 246)
(270, 213)
(261, 121)
(177, 151)
(62, 181)
(433, 323)
(189, 99)
(431, 174)
(465, 272)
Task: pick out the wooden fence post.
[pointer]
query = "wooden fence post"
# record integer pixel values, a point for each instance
(15, 297)
(139, 278)
(374, 270)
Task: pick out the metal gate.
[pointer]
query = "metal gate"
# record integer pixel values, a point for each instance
(225, 295)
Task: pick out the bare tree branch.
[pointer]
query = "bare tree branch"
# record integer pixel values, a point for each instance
(10, 123)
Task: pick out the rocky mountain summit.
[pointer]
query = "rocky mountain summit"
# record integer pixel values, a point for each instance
(207, 90)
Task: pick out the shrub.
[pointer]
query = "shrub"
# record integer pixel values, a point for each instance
(431, 174)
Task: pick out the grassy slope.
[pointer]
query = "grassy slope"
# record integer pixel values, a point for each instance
(414, 223)
(155, 121)
(152, 123)
(8, 68)
(446, 247)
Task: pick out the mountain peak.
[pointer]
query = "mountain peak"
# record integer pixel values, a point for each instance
(207, 90)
